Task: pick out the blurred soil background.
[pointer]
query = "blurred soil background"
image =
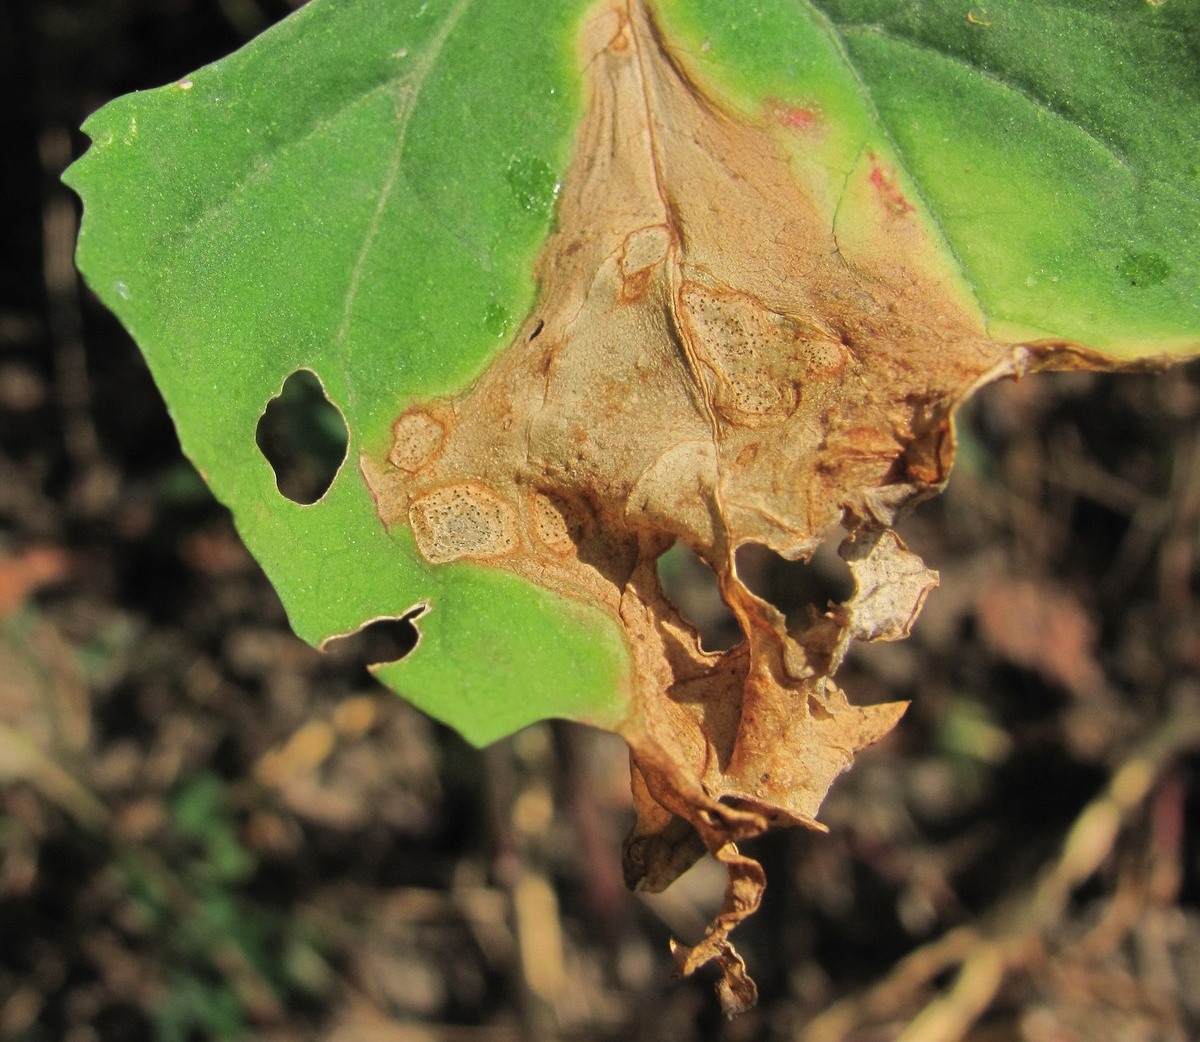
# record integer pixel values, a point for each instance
(210, 831)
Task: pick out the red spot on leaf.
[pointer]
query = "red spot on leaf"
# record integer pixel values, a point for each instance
(795, 117)
(884, 182)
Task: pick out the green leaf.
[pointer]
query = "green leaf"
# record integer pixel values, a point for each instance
(359, 192)
(362, 192)
(1052, 144)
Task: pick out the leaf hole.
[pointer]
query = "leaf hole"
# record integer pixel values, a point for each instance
(797, 588)
(377, 642)
(303, 436)
(692, 587)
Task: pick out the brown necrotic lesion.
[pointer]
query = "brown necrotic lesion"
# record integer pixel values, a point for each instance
(416, 438)
(705, 363)
(463, 521)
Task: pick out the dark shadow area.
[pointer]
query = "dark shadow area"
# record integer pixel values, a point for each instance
(692, 587)
(378, 642)
(797, 588)
(303, 436)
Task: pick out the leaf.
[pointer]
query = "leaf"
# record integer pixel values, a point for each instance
(726, 348)
(344, 196)
(788, 242)
(1052, 145)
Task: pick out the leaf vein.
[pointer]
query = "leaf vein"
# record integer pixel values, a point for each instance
(837, 38)
(408, 95)
(1023, 91)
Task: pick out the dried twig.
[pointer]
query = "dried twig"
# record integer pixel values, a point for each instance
(986, 956)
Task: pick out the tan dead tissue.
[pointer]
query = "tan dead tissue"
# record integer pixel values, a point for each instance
(728, 347)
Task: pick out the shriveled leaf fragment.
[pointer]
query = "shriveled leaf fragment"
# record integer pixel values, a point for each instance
(709, 361)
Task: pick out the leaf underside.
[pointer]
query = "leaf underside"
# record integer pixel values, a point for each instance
(762, 299)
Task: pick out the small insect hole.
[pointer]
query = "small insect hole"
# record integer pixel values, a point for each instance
(541, 324)
(692, 587)
(378, 642)
(797, 588)
(303, 436)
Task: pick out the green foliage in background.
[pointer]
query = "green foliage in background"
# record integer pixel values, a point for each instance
(226, 957)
